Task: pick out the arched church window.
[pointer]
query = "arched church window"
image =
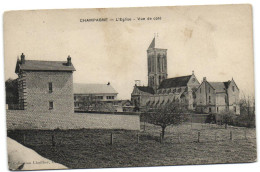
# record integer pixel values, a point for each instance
(159, 62)
(149, 64)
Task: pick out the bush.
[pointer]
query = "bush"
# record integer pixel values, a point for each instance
(244, 121)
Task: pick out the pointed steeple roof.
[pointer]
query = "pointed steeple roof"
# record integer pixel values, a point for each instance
(155, 43)
(152, 45)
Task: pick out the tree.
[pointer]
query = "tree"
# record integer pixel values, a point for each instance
(170, 114)
(11, 88)
(227, 118)
(247, 111)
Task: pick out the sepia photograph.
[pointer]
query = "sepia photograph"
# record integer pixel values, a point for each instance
(129, 87)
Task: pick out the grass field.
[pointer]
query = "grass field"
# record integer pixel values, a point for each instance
(92, 149)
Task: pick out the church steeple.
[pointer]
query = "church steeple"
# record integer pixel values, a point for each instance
(152, 45)
(157, 64)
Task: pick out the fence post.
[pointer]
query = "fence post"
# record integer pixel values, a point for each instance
(111, 139)
(52, 140)
(198, 137)
(191, 121)
(245, 134)
(24, 139)
(137, 137)
(231, 135)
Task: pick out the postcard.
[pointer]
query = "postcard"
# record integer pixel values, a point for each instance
(129, 87)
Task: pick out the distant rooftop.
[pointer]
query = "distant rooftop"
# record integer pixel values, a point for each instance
(81, 88)
(220, 86)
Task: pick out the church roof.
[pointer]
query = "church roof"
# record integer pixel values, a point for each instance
(38, 65)
(155, 43)
(152, 45)
(175, 82)
(146, 89)
(81, 88)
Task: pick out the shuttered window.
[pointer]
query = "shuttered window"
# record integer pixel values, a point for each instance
(50, 87)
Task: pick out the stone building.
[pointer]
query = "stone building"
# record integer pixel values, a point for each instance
(217, 97)
(162, 90)
(95, 97)
(45, 86)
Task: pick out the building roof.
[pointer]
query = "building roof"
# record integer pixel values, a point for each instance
(227, 84)
(81, 88)
(37, 65)
(152, 45)
(146, 89)
(218, 86)
(175, 82)
(155, 43)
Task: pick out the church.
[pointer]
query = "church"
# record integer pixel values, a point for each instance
(161, 89)
(205, 97)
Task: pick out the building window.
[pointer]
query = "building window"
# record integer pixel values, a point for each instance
(209, 99)
(200, 90)
(235, 109)
(217, 109)
(51, 105)
(209, 89)
(50, 87)
(100, 97)
(110, 97)
(233, 88)
(209, 109)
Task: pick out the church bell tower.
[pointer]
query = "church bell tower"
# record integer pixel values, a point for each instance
(157, 64)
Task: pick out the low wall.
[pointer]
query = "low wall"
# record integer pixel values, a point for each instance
(200, 118)
(19, 119)
(194, 118)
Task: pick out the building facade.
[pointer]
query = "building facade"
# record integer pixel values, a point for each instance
(217, 97)
(95, 97)
(45, 86)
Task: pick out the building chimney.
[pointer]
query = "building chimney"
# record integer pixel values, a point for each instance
(193, 72)
(204, 79)
(22, 58)
(69, 61)
(108, 83)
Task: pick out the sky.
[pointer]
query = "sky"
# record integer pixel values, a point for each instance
(214, 41)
